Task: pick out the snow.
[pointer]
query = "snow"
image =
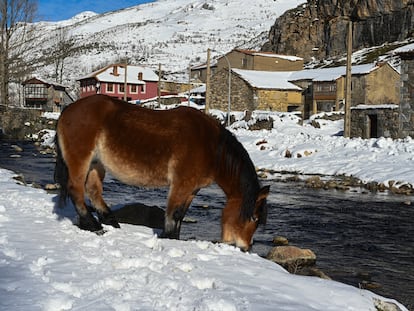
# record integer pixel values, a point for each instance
(107, 74)
(267, 79)
(47, 263)
(404, 49)
(174, 33)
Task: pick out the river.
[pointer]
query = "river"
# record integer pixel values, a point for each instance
(358, 237)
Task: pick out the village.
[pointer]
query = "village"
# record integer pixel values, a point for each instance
(248, 80)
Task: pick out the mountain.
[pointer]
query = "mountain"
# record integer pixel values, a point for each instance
(319, 27)
(173, 33)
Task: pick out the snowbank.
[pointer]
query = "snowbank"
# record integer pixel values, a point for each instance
(47, 263)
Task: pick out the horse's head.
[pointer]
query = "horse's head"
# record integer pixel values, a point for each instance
(239, 230)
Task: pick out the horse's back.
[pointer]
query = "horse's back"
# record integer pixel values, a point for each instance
(139, 145)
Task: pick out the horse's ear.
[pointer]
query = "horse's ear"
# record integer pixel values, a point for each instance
(263, 193)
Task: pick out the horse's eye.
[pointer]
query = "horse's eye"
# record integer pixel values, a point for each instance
(254, 219)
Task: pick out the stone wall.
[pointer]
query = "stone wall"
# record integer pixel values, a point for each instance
(20, 124)
(407, 95)
(241, 94)
(375, 121)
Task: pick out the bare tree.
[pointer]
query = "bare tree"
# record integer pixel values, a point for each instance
(63, 48)
(15, 33)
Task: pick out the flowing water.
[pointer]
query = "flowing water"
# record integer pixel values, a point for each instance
(359, 238)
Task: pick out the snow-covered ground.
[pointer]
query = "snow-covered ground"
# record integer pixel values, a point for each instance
(47, 263)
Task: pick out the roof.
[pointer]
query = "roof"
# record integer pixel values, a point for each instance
(331, 74)
(409, 48)
(44, 81)
(106, 74)
(269, 54)
(277, 80)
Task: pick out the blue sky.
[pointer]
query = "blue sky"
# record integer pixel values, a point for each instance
(56, 10)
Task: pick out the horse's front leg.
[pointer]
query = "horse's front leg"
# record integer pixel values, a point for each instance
(176, 210)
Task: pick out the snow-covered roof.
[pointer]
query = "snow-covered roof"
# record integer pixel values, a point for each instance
(199, 89)
(331, 74)
(278, 80)
(405, 49)
(115, 73)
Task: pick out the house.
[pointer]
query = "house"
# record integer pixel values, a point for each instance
(261, 61)
(406, 125)
(45, 95)
(199, 72)
(372, 84)
(254, 90)
(141, 82)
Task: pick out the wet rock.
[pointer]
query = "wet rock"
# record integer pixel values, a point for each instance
(292, 258)
(312, 271)
(17, 148)
(51, 187)
(280, 241)
(314, 182)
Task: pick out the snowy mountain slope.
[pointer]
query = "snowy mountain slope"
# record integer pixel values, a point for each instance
(175, 33)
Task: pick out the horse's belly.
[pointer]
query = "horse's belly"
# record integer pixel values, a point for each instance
(141, 178)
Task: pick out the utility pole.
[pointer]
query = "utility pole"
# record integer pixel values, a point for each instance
(159, 84)
(207, 104)
(348, 83)
(126, 80)
(189, 84)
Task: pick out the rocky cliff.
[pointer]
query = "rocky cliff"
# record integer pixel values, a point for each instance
(319, 27)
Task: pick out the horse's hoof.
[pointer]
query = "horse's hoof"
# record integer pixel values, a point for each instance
(170, 235)
(109, 219)
(89, 223)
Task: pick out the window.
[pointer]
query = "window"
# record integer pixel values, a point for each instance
(121, 88)
(134, 89)
(143, 88)
(35, 91)
(110, 88)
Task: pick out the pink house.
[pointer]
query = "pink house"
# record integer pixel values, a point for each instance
(141, 82)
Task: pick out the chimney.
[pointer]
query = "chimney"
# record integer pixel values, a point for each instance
(140, 76)
(115, 70)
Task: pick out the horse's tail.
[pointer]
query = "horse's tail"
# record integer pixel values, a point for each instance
(61, 172)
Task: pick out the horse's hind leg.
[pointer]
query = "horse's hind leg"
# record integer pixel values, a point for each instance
(94, 190)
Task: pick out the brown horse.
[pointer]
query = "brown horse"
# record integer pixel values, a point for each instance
(181, 148)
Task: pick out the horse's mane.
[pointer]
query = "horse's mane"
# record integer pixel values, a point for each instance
(234, 162)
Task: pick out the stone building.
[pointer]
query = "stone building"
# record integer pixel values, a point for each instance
(373, 121)
(406, 125)
(254, 90)
(261, 61)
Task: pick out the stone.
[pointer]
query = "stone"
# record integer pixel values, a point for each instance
(312, 271)
(280, 241)
(314, 182)
(17, 148)
(292, 257)
(51, 187)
